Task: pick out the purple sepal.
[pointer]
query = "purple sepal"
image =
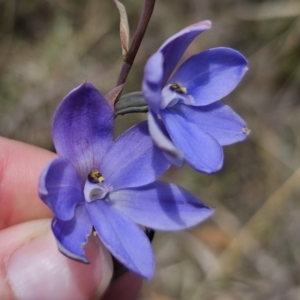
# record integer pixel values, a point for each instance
(210, 75)
(152, 83)
(158, 134)
(133, 148)
(201, 150)
(124, 239)
(161, 206)
(174, 47)
(72, 235)
(217, 120)
(61, 188)
(83, 128)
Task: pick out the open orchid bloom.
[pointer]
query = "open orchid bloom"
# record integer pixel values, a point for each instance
(186, 119)
(97, 184)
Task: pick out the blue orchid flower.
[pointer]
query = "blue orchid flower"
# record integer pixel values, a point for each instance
(186, 119)
(109, 186)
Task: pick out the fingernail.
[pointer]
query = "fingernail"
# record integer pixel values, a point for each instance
(37, 270)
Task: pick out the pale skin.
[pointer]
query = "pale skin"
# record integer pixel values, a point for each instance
(31, 267)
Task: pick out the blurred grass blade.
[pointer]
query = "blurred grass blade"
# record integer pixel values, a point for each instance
(131, 103)
(124, 28)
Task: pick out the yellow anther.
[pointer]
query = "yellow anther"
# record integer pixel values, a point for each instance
(95, 177)
(176, 87)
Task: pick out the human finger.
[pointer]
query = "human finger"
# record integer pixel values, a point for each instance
(32, 268)
(126, 287)
(20, 168)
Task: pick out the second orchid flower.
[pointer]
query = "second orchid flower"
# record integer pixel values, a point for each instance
(186, 119)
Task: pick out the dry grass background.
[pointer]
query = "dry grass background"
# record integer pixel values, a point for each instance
(250, 249)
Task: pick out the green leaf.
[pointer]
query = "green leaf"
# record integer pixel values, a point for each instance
(131, 103)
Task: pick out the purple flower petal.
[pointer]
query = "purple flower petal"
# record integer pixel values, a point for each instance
(201, 150)
(174, 47)
(160, 205)
(83, 128)
(61, 188)
(133, 159)
(124, 239)
(152, 81)
(174, 155)
(216, 119)
(210, 75)
(73, 234)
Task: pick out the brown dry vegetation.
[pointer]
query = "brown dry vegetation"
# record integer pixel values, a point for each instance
(250, 249)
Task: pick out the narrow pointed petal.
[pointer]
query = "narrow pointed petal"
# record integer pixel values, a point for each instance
(124, 239)
(133, 159)
(201, 150)
(210, 75)
(216, 119)
(83, 128)
(72, 235)
(160, 139)
(152, 81)
(61, 188)
(174, 47)
(161, 206)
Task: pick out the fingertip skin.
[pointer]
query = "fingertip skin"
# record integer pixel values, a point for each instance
(20, 166)
(126, 287)
(33, 268)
